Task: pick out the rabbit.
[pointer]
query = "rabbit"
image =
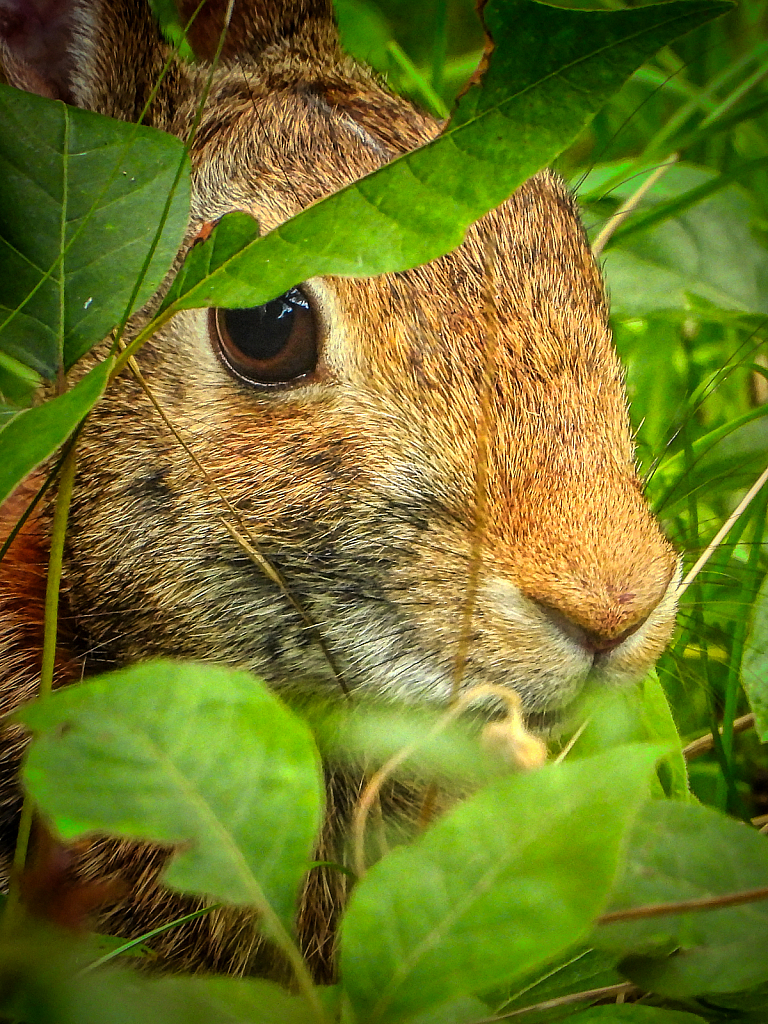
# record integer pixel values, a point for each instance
(363, 449)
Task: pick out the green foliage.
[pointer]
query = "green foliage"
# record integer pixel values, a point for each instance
(496, 907)
(419, 206)
(109, 218)
(32, 435)
(491, 891)
(684, 852)
(246, 833)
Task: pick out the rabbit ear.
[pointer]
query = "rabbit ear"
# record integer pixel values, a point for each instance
(104, 55)
(35, 45)
(307, 26)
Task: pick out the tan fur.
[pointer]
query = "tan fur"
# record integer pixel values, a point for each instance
(361, 487)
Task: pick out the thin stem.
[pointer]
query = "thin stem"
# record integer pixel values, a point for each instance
(733, 899)
(58, 534)
(622, 988)
(630, 204)
(126, 947)
(418, 80)
(56, 557)
(705, 743)
(723, 531)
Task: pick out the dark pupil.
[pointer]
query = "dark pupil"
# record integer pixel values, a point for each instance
(262, 332)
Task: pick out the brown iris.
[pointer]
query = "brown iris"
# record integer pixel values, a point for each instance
(271, 344)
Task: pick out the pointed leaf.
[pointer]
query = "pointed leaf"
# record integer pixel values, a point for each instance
(506, 881)
(83, 197)
(551, 70)
(33, 435)
(200, 756)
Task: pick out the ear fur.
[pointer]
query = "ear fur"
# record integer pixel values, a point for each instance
(108, 55)
(103, 55)
(306, 26)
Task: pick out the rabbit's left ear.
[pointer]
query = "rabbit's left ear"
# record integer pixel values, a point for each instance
(103, 55)
(304, 26)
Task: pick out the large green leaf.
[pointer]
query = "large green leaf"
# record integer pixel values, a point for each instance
(679, 852)
(33, 435)
(200, 756)
(705, 247)
(551, 70)
(505, 882)
(754, 662)
(82, 199)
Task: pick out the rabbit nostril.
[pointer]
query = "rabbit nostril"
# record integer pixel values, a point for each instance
(594, 642)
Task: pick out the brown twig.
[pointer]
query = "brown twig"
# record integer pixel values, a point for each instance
(623, 988)
(733, 899)
(705, 743)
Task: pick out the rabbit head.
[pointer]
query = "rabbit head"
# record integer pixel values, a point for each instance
(438, 463)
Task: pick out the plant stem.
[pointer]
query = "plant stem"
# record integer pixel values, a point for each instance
(58, 533)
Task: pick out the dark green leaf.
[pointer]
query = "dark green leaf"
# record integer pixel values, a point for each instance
(35, 434)
(551, 70)
(493, 889)
(98, 189)
(679, 852)
(195, 755)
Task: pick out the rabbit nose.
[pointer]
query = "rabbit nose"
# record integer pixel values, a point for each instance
(593, 641)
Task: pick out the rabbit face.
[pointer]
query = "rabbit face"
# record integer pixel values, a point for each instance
(457, 450)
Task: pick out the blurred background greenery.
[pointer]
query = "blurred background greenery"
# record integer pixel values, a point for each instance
(688, 278)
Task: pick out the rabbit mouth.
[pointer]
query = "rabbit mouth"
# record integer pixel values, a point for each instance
(555, 657)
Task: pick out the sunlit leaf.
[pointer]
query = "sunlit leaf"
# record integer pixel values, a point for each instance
(491, 891)
(199, 756)
(550, 71)
(99, 189)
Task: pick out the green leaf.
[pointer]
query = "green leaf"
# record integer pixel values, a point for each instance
(707, 249)
(550, 72)
(35, 434)
(503, 883)
(242, 1000)
(679, 852)
(633, 714)
(42, 982)
(581, 971)
(200, 756)
(754, 662)
(633, 1013)
(83, 197)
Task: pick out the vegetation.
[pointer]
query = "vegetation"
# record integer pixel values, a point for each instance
(541, 892)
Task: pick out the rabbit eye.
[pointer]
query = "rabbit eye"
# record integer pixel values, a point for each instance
(271, 344)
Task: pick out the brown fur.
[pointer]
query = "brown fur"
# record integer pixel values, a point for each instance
(361, 486)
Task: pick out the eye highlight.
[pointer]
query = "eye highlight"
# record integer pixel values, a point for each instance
(270, 345)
